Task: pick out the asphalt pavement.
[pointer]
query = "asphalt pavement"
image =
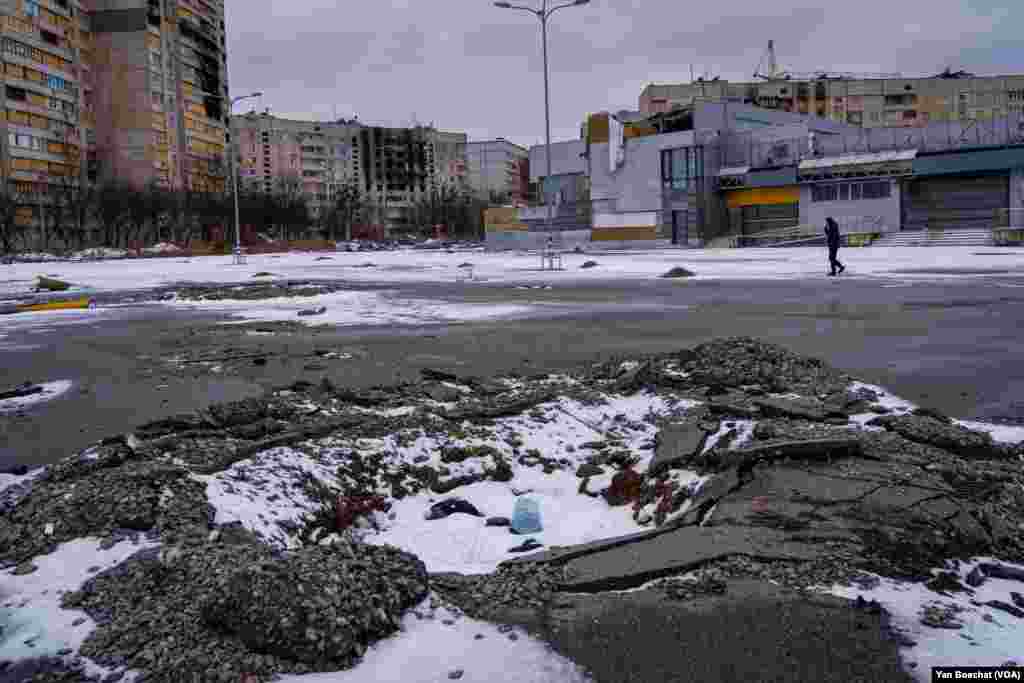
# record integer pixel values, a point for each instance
(951, 346)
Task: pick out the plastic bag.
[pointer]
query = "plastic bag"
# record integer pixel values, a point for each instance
(526, 516)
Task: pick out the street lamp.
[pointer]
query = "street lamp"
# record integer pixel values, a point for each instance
(543, 14)
(234, 179)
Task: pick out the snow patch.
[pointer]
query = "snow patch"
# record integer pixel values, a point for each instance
(31, 608)
(51, 390)
(266, 490)
(989, 637)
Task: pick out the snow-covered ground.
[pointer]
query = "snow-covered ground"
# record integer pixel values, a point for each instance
(268, 489)
(429, 650)
(34, 624)
(518, 269)
(410, 266)
(356, 308)
(999, 432)
(51, 390)
(988, 637)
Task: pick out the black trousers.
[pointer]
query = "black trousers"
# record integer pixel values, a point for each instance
(833, 262)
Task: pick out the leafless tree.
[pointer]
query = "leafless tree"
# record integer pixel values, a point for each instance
(347, 207)
(13, 201)
(110, 210)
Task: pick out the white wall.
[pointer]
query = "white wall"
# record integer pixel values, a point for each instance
(565, 158)
(636, 185)
(852, 216)
(532, 240)
(621, 220)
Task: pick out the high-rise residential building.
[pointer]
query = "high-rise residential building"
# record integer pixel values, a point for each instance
(393, 168)
(498, 168)
(135, 89)
(316, 157)
(866, 102)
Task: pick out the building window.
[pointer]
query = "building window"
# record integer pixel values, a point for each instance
(831, 192)
(31, 8)
(680, 167)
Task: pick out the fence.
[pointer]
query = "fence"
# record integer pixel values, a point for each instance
(749, 148)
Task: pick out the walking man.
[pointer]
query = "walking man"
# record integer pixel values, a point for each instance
(832, 238)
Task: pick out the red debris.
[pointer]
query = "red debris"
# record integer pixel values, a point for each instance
(625, 488)
(349, 508)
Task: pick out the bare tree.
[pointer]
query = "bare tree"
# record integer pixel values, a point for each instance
(348, 207)
(290, 207)
(145, 209)
(110, 211)
(13, 201)
(71, 203)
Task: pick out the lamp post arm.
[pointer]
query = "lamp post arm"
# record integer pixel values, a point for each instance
(525, 9)
(558, 7)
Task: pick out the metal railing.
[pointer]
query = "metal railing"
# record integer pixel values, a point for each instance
(742, 149)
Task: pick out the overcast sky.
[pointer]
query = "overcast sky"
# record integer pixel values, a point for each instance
(465, 65)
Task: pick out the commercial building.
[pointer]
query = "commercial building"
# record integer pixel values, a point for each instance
(393, 168)
(131, 90)
(865, 102)
(498, 168)
(723, 173)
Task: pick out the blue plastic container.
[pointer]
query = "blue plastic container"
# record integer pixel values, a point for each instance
(526, 516)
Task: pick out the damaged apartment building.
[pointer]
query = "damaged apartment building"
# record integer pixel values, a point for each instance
(126, 90)
(391, 168)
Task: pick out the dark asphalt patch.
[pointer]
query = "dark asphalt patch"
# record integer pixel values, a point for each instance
(955, 271)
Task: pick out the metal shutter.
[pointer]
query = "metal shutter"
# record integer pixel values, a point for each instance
(951, 202)
(769, 217)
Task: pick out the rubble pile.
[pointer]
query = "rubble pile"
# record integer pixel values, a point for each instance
(758, 453)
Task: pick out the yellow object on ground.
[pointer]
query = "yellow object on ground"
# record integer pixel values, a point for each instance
(52, 285)
(67, 304)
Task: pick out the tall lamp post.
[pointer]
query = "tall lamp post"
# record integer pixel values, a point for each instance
(544, 13)
(239, 259)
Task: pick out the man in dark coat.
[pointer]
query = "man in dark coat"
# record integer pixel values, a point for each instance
(833, 239)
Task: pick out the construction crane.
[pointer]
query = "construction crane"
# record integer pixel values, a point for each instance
(768, 69)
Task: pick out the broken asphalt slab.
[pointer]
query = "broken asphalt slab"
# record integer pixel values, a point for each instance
(633, 564)
(754, 632)
(798, 501)
(677, 444)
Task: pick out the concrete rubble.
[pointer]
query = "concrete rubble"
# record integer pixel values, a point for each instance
(810, 498)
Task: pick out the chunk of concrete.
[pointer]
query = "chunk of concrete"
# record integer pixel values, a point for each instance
(676, 445)
(799, 410)
(631, 565)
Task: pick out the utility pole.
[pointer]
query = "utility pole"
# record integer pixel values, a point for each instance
(543, 14)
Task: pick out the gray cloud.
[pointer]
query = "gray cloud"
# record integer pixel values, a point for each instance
(465, 65)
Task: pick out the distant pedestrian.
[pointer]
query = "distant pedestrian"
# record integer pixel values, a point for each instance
(832, 239)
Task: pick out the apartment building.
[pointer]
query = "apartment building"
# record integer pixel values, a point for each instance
(868, 103)
(44, 127)
(315, 157)
(132, 90)
(498, 168)
(393, 168)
